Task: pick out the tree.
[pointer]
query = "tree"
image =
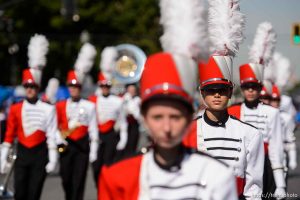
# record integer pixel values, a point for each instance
(109, 22)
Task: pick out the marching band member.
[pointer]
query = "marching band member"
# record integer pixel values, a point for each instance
(266, 91)
(108, 108)
(223, 136)
(288, 125)
(264, 117)
(131, 107)
(167, 169)
(33, 123)
(78, 139)
(279, 71)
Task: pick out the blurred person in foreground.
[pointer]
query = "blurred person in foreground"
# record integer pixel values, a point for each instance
(167, 168)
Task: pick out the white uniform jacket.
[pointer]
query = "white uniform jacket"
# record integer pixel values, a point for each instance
(267, 120)
(238, 144)
(32, 124)
(196, 176)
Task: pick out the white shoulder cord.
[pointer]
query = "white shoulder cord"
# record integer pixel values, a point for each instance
(242, 112)
(200, 136)
(144, 193)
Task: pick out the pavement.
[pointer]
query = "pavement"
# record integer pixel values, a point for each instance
(53, 188)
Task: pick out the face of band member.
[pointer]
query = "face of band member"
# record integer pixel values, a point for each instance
(167, 122)
(105, 89)
(251, 91)
(265, 100)
(216, 99)
(31, 91)
(131, 89)
(275, 103)
(74, 91)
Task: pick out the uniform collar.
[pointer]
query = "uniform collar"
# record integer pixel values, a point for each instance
(75, 100)
(105, 96)
(252, 105)
(32, 101)
(220, 123)
(174, 167)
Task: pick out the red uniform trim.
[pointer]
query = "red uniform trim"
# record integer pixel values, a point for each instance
(62, 122)
(240, 183)
(106, 127)
(190, 139)
(121, 180)
(266, 148)
(93, 99)
(15, 128)
(235, 111)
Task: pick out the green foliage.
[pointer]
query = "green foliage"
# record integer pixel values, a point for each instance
(109, 22)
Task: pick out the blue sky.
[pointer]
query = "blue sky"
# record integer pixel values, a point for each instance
(282, 14)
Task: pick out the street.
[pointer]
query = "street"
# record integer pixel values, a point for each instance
(53, 187)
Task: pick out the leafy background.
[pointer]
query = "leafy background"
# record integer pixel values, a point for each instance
(108, 22)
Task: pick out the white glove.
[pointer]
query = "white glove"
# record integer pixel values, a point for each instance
(292, 159)
(50, 167)
(123, 140)
(280, 193)
(4, 154)
(279, 178)
(72, 124)
(93, 151)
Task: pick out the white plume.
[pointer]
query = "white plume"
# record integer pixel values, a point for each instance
(270, 71)
(37, 51)
(263, 45)
(284, 70)
(51, 90)
(185, 29)
(85, 59)
(225, 26)
(108, 59)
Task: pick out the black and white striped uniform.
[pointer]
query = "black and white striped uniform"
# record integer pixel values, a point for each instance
(267, 120)
(239, 145)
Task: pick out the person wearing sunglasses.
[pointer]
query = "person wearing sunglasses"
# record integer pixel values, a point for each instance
(112, 124)
(78, 139)
(34, 124)
(168, 170)
(267, 120)
(225, 137)
(265, 93)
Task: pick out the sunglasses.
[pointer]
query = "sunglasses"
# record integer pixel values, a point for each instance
(74, 86)
(30, 86)
(105, 86)
(251, 86)
(220, 91)
(265, 97)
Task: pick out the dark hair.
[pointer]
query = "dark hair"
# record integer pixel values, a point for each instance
(130, 84)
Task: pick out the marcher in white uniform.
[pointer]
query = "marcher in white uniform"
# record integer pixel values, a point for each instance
(265, 118)
(34, 124)
(131, 107)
